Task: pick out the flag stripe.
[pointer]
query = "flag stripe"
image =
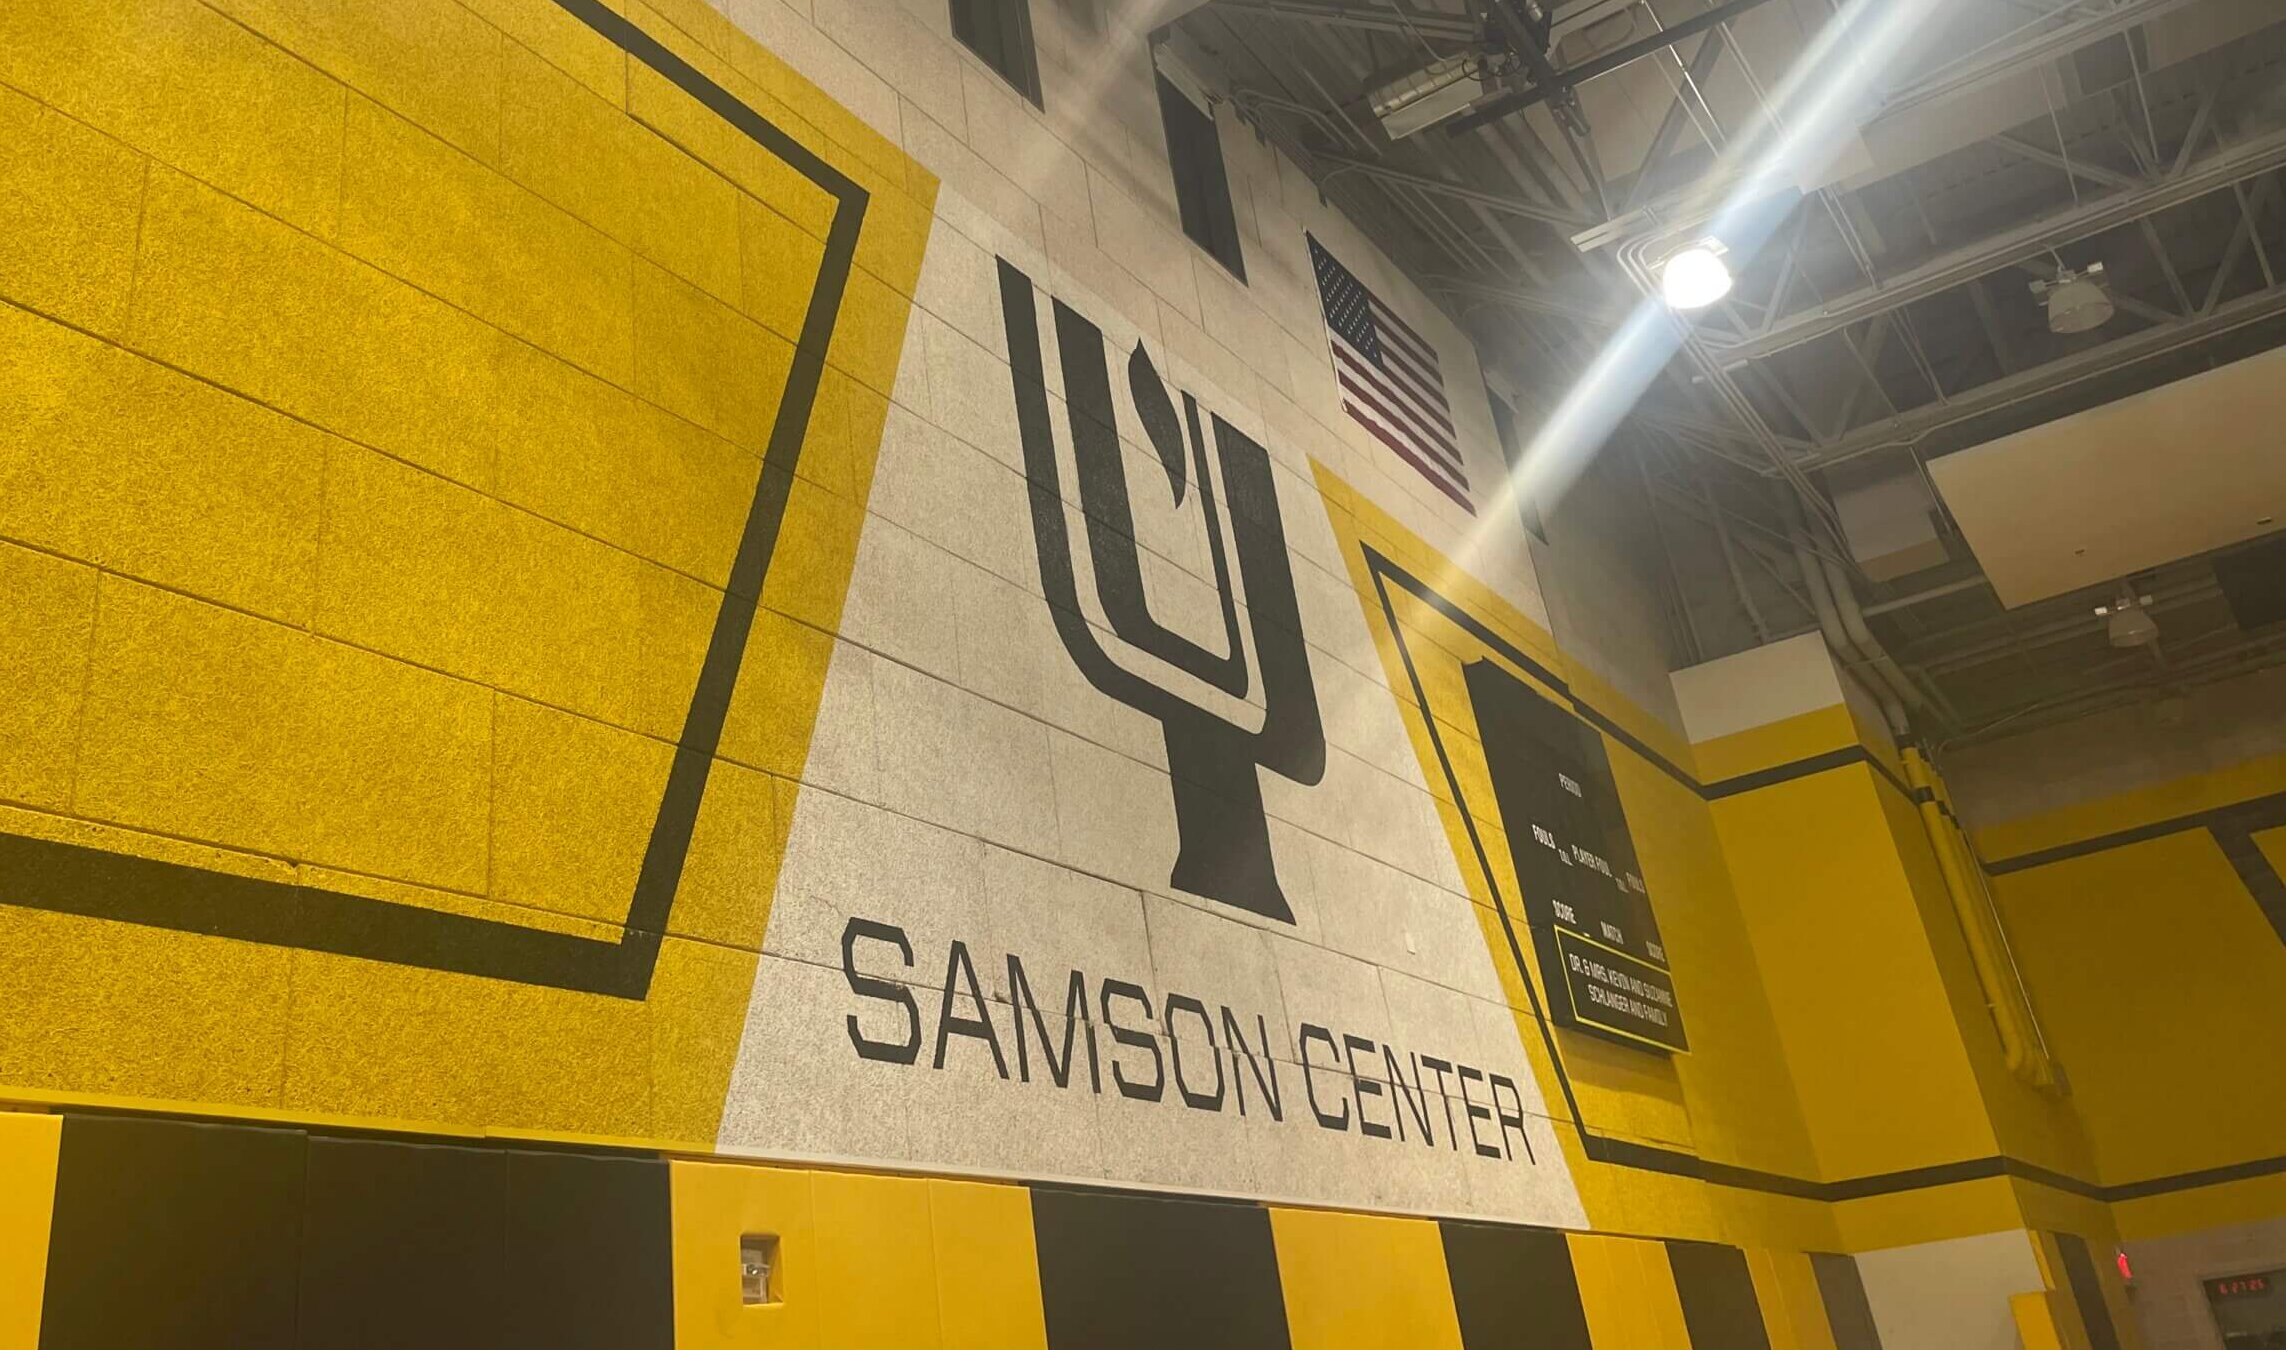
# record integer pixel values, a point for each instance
(1424, 381)
(1403, 452)
(1428, 381)
(1445, 451)
(1424, 415)
(1383, 313)
(1408, 388)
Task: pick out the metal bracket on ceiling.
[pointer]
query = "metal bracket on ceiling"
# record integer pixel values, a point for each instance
(1560, 87)
(1523, 27)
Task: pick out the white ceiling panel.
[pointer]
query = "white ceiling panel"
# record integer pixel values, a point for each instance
(2086, 499)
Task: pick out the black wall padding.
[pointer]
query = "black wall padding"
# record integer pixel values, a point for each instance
(1841, 1287)
(589, 1254)
(1127, 1272)
(404, 1246)
(1717, 1290)
(173, 1236)
(2087, 1291)
(1514, 1288)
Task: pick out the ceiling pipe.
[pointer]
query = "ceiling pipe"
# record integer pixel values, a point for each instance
(1844, 626)
(1830, 624)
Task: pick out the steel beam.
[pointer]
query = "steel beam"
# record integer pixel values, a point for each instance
(1371, 18)
(2003, 56)
(1909, 428)
(2031, 240)
(1498, 201)
(1501, 105)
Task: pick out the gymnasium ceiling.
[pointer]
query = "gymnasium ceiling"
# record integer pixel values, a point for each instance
(1885, 321)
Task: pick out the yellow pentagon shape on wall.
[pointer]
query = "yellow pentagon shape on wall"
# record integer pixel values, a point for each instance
(396, 514)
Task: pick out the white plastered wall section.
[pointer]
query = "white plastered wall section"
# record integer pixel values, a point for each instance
(966, 784)
(1950, 1295)
(1757, 687)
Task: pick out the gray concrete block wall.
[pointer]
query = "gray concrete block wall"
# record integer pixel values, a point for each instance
(968, 786)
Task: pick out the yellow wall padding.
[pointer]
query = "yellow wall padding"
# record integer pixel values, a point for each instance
(2040, 1323)
(28, 1148)
(988, 1266)
(715, 1205)
(1792, 1308)
(1358, 1282)
(876, 1262)
(1629, 1293)
(899, 1263)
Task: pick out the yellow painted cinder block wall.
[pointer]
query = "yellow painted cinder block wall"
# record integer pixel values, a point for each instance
(390, 390)
(2159, 980)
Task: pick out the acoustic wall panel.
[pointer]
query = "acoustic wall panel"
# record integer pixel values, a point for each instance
(174, 1236)
(1514, 1288)
(1130, 1272)
(402, 1245)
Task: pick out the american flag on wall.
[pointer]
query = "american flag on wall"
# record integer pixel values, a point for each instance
(1390, 380)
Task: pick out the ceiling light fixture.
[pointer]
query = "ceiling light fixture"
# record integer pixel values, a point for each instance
(1695, 277)
(2077, 301)
(2125, 621)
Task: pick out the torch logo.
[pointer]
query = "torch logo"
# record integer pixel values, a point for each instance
(1223, 851)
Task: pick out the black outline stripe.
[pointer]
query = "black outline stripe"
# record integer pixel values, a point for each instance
(1630, 1153)
(99, 883)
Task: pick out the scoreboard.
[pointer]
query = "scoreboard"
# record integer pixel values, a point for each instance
(1584, 900)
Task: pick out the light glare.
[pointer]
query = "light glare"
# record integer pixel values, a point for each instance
(1694, 278)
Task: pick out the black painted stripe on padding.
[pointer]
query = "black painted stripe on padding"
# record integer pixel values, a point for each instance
(1514, 1288)
(169, 1235)
(98, 883)
(1124, 1271)
(1717, 1292)
(1841, 1288)
(404, 1245)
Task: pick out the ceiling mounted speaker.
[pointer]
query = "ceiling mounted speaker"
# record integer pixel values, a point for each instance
(2125, 622)
(2077, 301)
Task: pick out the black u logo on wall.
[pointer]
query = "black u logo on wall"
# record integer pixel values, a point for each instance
(1224, 848)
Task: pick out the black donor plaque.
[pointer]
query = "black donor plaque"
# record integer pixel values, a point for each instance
(1223, 835)
(1601, 960)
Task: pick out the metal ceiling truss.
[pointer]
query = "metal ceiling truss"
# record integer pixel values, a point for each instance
(1839, 343)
